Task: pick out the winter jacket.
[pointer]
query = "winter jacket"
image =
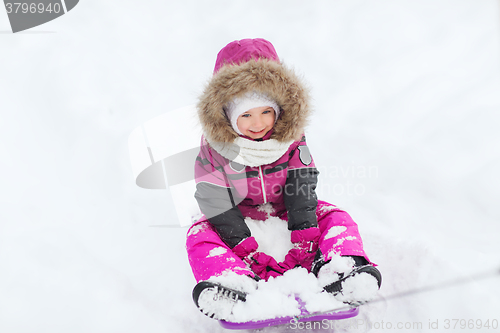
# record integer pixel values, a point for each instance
(227, 192)
(230, 187)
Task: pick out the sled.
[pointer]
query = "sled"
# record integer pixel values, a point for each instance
(304, 316)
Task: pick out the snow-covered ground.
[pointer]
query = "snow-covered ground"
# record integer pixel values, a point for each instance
(405, 132)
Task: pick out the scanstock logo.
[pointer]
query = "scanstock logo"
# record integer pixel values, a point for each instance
(28, 14)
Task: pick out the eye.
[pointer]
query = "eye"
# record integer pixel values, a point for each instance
(245, 115)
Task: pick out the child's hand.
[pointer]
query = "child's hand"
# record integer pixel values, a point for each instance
(261, 264)
(305, 244)
(266, 266)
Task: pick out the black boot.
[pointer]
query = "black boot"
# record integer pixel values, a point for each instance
(336, 286)
(361, 266)
(215, 300)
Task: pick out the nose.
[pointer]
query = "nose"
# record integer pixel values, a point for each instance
(257, 121)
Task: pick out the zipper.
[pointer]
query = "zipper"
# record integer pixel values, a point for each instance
(262, 183)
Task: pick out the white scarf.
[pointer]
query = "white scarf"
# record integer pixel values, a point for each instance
(252, 153)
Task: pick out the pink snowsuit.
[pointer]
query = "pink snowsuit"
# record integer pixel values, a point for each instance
(210, 256)
(228, 192)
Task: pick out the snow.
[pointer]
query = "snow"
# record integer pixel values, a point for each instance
(405, 133)
(335, 231)
(337, 264)
(272, 235)
(340, 241)
(273, 298)
(216, 252)
(278, 297)
(359, 288)
(196, 229)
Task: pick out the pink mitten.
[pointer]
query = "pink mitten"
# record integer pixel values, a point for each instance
(246, 248)
(261, 264)
(266, 266)
(305, 245)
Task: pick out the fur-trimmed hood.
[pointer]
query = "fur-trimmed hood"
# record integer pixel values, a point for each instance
(265, 76)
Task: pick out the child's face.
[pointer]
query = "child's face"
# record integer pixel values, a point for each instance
(256, 122)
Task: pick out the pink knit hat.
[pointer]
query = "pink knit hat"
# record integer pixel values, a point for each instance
(243, 50)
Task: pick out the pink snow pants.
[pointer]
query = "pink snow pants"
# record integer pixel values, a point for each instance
(209, 256)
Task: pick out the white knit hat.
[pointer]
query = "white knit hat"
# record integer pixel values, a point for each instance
(251, 100)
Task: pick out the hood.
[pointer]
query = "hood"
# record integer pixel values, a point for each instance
(262, 75)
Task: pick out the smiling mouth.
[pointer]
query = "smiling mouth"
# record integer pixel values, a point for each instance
(258, 131)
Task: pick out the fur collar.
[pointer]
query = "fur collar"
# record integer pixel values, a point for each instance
(269, 77)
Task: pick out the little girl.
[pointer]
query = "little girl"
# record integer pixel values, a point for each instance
(253, 152)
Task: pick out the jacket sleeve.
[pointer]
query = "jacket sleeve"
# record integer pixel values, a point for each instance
(300, 189)
(216, 198)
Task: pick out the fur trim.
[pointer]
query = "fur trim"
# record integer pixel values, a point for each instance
(264, 76)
